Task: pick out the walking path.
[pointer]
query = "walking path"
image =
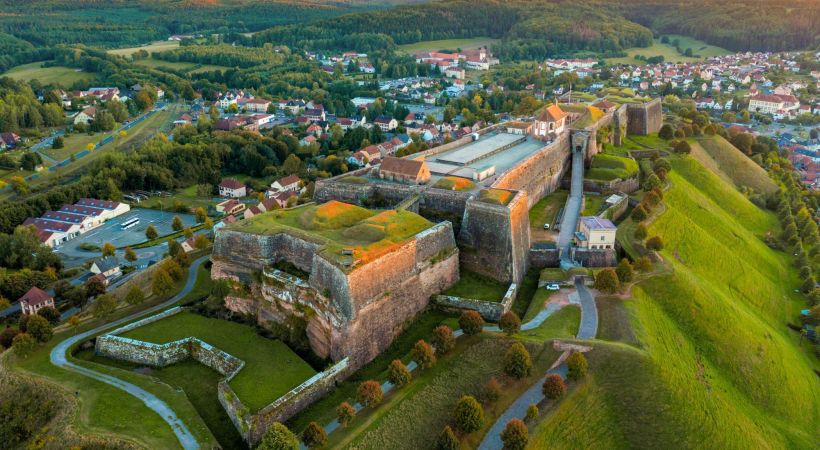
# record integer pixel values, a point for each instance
(586, 330)
(572, 210)
(59, 358)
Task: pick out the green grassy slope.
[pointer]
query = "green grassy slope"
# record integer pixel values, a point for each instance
(731, 164)
(715, 365)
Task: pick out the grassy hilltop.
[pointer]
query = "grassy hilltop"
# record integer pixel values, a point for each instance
(699, 357)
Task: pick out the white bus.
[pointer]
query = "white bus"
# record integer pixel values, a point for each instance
(132, 222)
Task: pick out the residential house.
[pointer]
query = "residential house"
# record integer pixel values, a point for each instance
(519, 127)
(86, 116)
(257, 105)
(386, 123)
(605, 106)
(189, 245)
(230, 207)
(35, 299)
(109, 267)
(9, 140)
(409, 171)
(232, 188)
(289, 183)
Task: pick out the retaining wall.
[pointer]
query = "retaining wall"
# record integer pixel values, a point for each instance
(491, 311)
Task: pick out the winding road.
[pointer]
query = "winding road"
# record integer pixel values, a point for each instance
(59, 358)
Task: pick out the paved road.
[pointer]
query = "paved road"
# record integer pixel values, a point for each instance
(572, 210)
(587, 329)
(59, 359)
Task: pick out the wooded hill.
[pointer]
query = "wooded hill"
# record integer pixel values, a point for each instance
(538, 28)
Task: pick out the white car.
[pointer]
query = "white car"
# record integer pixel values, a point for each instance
(553, 287)
(546, 226)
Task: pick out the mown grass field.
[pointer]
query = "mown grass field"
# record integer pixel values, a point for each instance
(447, 44)
(181, 66)
(262, 356)
(713, 365)
(158, 46)
(477, 287)
(64, 76)
(724, 159)
(669, 52)
(592, 204)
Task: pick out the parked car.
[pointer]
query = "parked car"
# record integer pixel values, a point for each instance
(553, 287)
(546, 226)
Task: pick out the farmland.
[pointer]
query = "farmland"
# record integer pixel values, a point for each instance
(669, 52)
(64, 76)
(157, 46)
(447, 44)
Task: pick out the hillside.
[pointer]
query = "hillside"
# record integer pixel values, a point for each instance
(711, 364)
(725, 160)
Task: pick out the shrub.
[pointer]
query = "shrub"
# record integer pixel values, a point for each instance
(369, 393)
(532, 412)
(510, 323)
(640, 232)
(491, 391)
(398, 374)
(553, 387)
(314, 436)
(443, 339)
(652, 181)
(654, 243)
(683, 147)
(130, 254)
(278, 437)
(651, 198)
(423, 354)
(666, 132)
(176, 223)
(22, 323)
(7, 336)
(345, 413)
(471, 322)
(517, 362)
(468, 414)
(135, 296)
(39, 328)
(807, 286)
(643, 264)
(639, 213)
(23, 344)
(50, 313)
(151, 232)
(576, 366)
(447, 440)
(515, 435)
(108, 249)
(624, 271)
(607, 281)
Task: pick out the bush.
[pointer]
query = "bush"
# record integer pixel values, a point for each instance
(447, 440)
(443, 339)
(398, 374)
(652, 181)
(50, 313)
(643, 264)
(39, 328)
(655, 243)
(624, 271)
(510, 323)
(314, 436)
(640, 231)
(94, 287)
(515, 435)
(517, 362)
(151, 232)
(108, 249)
(23, 344)
(369, 393)
(607, 281)
(176, 223)
(471, 322)
(345, 413)
(553, 387)
(532, 412)
(491, 391)
(666, 132)
(468, 414)
(278, 437)
(683, 147)
(576, 366)
(423, 354)
(135, 296)
(7, 336)
(130, 254)
(639, 213)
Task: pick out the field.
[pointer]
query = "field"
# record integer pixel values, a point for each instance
(447, 44)
(64, 76)
(187, 197)
(262, 356)
(181, 66)
(477, 287)
(731, 164)
(669, 52)
(607, 167)
(340, 226)
(157, 46)
(713, 352)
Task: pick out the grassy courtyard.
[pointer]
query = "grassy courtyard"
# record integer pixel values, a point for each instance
(262, 356)
(545, 211)
(477, 287)
(607, 167)
(64, 76)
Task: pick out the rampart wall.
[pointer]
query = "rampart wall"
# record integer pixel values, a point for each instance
(540, 173)
(489, 310)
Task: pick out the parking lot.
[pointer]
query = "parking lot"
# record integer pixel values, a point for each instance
(111, 231)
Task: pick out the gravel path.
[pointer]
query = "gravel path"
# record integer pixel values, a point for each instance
(59, 359)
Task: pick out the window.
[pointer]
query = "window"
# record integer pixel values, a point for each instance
(603, 237)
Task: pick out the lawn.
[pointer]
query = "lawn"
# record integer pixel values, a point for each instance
(74, 143)
(187, 196)
(562, 324)
(731, 164)
(455, 184)
(669, 53)
(262, 356)
(448, 44)
(713, 351)
(592, 205)
(495, 196)
(544, 212)
(606, 167)
(477, 287)
(64, 76)
(158, 46)
(181, 66)
(341, 227)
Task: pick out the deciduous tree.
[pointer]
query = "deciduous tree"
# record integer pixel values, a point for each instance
(447, 440)
(654, 243)
(369, 393)
(509, 323)
(624, 271)
(314, 436)
(468, 414)
(517, 361)
(576, 366)
(39, 328)
(471, 322)
(553, 387)
(515, 435)
(345, 413)
(398, 374)
(278, 437)
(423, 354)
(607, 281)
(23, 345)
(108, 249)
(151, 232)
(443, 339)
(130, 254)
